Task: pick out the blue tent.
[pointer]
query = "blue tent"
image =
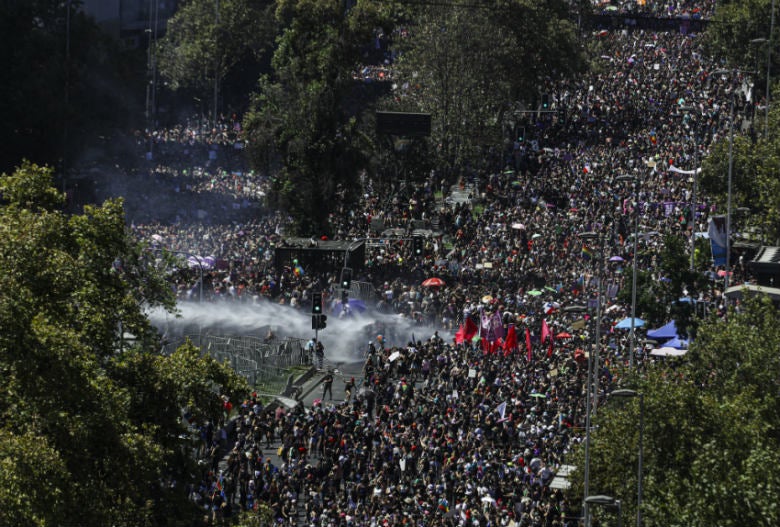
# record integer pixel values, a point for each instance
(668, 331)
(677, 343)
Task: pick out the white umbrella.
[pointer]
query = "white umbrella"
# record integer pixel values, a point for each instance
(668, 352)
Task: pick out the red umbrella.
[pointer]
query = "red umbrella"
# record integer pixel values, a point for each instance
(433, 282)
(563, 335)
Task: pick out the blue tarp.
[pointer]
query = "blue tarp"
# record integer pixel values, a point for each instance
(677, 343)
(667, 331)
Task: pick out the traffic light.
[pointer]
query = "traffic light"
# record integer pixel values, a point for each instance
(417, 246)
(346, 278)
(561, 116)
(316, 303)
(319, 321)
(521, 135)
(545, 101)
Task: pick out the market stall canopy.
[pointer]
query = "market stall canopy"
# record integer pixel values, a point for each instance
(667, 331)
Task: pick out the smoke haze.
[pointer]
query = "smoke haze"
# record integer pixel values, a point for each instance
(345, 339)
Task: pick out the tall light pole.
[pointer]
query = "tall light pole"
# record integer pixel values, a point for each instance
(634, 266)
(591, 394)
(769, 68)
(731, 73)
(626, 393)
(216, 63)
(768, 41)
(694, 200)
(729, 191)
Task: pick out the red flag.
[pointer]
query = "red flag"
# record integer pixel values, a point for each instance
(550, 349)
(466, 331)
(528, 343)
(511, 340)
(545, 331)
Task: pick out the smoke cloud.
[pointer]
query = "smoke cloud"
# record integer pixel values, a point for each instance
(345, 339)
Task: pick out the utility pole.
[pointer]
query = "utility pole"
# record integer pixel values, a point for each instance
(216, 64)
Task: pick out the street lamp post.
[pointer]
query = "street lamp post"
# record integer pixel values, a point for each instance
(216, 64)
(633, 264)
(590, 235)
(607, 502)
(728, 199)
(768, 69)
(694, 201)
(591, 397)
(730, 174)
(768, 42)
(626, 393)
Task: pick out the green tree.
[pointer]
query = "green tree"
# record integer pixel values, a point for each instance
(755, 165)
(740, 34)
(96, 422)
(658, 301)
(462, 65)
(711, 421)
(732, 35)
(303, 116)
(208, 39)
(62, 88)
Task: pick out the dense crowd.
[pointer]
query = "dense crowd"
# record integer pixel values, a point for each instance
(475, 441)
(478, 437)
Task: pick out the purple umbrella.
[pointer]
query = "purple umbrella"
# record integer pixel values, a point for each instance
(616, 259)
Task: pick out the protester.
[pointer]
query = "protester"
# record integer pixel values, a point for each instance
(496, 412)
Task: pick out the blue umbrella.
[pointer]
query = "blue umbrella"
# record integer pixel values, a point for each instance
(626, 323)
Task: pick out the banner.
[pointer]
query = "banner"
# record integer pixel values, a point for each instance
(718, 239)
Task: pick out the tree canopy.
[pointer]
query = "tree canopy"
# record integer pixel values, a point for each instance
(468, 83)
(65, 83)
(302, 114)
(207, 40)
(90, 424)
(312, 117)
(711, 422)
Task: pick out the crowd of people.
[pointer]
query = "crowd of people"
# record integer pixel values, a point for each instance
(478, 437)
(475, 441)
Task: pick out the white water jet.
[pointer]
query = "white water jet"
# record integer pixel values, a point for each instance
(345, 339)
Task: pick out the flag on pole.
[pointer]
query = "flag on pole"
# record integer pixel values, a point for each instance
(466, 331)
(528, 344)
(718, 239)
(545, 331)
(511, 340)
(587, 253)
(501, 409)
